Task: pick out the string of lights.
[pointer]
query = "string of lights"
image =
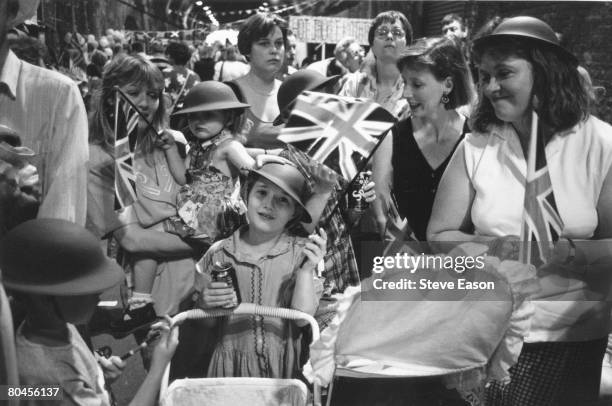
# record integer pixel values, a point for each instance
(190, 17)
(274, 9)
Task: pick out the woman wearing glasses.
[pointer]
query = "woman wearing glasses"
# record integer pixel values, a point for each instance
(380, 79)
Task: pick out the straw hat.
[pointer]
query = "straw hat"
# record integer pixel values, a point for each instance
(27, 9)
(55, 257)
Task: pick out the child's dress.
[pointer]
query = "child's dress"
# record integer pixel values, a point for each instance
(254, 346)
(156, 190)
(210, 204)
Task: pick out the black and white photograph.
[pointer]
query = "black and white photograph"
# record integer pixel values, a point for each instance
(305, 202)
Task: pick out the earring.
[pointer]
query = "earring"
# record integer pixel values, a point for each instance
(444, 99)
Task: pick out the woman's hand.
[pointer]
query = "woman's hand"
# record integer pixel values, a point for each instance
(216, 294)
(369, 193)
(325, 179)
(563, 252)
(165, 140)
(315, 249)
(506, 247)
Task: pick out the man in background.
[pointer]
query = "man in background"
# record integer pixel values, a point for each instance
(290, 64)
(453, 25)
(348, 57)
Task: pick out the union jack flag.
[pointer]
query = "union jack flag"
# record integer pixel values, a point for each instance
(78, 58)
(542, 224)
(126, 121)
(338, 131)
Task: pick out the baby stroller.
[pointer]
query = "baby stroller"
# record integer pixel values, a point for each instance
(464, 341)
(239, 391)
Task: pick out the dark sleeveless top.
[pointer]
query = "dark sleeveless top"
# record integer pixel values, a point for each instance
(414, 182)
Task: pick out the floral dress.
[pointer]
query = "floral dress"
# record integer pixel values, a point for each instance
(209, 205)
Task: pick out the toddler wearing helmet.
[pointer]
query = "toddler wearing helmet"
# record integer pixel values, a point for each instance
(273, 268)
(210, 204)
(58, 270)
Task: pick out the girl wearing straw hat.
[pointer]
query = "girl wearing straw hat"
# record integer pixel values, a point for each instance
(491, 186)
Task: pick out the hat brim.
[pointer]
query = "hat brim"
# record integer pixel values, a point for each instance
(332, 80)
(27, 10)
(306, 218)
(213, 106)
(104, 277)
(493, 38)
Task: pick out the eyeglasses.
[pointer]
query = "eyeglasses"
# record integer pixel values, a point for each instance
(383, 32)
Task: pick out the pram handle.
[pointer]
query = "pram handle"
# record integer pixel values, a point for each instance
(251, 309)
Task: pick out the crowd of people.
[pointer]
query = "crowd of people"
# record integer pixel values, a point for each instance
(213, 186)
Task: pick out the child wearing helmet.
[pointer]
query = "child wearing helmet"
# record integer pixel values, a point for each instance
(273, 268)
(210, 204)
(60, 284)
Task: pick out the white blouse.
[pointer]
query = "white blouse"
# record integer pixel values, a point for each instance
(578, 162)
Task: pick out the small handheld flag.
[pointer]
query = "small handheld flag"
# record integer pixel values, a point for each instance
(127, 116)
(542, 225)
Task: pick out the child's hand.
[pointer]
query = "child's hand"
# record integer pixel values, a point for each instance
(369, 194)
(325, 179)
(217, 294)
(166, 345)
(315, 249)
(112, 367)
(165, 140)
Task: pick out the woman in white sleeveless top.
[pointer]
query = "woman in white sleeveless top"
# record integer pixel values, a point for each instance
(481, 197)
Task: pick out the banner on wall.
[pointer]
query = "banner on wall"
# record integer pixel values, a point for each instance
(165, 36)
(329, 29)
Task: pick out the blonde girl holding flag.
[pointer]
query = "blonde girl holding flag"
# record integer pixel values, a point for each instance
(155, 169)
(487, 194)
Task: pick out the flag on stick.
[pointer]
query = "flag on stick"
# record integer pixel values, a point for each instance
(542, 224)
(79, 57)
(126, 121)
(399, 237)
(338, 131)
